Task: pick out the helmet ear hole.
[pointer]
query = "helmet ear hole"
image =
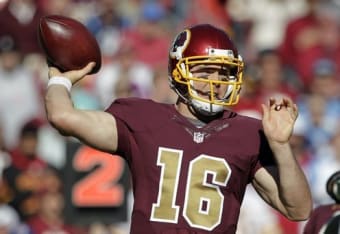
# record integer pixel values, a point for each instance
(177, 83)
(175, 74)
(233, 71)
(177, 77)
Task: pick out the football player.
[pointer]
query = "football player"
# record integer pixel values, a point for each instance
(325, 219)
(192, 160)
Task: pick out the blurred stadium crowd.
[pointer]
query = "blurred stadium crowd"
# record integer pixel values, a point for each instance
(291, 48)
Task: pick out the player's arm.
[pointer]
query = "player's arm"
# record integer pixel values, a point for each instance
(95, 128)
(284, 186)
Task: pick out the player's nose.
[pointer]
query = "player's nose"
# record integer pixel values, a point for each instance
(215, 77)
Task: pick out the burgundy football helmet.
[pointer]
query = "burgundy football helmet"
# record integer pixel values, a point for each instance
(204, 44)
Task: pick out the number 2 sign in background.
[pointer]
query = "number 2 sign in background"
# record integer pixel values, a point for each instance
(96, 186)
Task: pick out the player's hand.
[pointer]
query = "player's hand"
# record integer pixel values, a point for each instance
(278, 120)
(75, 75)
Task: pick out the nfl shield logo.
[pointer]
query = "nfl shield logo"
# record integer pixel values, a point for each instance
(198, 137)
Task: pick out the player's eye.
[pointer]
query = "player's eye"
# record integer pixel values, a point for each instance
(204, 75)
(224, 75)
(223, 78)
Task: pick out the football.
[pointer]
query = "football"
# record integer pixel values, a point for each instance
(67, 43)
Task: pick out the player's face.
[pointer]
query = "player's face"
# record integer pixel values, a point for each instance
(207, 85)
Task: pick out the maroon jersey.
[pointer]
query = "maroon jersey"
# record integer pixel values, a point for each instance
(187, 179)
(320, 218)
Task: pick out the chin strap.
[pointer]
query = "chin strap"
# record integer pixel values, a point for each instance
(205, 108)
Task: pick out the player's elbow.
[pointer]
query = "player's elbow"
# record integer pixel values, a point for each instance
(298, 218)
(300, 214)
(60, 121)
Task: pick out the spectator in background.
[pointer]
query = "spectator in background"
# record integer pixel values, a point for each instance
(302, 153)
(20, 98)
(51, 146)
(320, 108)
(124, 76)
(215, 13)
(3, 4)
(149, 39)
(5, 161)
(84, 97)
(10, 221)
(100, 228)
(24, 175)
(49, 218)
(106, 25)
(125, 88)
(160, 88)
(252, 223)
(9, 217)
(325, 80)
(175, 11)
(4, 156)
(326, 161)
(130, 9)
(259, 25)
(326, 218)
(268, 80)
(58, 7)
(271, 77)
(310, 37)
(20, 18)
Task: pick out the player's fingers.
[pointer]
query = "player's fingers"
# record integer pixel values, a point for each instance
(77, 75)
(90, 66)
(271, 102)
(291, 107)
(294, 111)
(265, 111)
(295, 108)
(87, 69)
(287, 102)
(274, 105)
(53, 71)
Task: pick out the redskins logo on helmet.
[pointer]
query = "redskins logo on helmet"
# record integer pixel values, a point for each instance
(205, 45)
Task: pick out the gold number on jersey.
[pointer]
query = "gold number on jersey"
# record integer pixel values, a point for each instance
(165, 209)
(203, 198)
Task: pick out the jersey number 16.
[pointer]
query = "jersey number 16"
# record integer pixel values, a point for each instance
(203, 203)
